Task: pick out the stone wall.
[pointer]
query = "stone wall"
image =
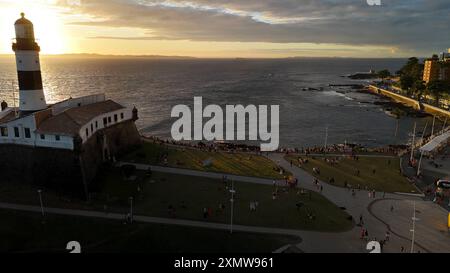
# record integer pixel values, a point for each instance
(69, 172)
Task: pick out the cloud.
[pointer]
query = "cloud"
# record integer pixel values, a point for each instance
(417, 25)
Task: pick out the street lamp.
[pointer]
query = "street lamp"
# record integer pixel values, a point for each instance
(413, 230)
(131, 209)
(232, 191)
(413, 144)
(42, 204)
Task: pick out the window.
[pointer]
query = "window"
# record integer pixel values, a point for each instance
(92, 128)
(121, 116)
(105, 122)
(4, 131)
(57, 138)
(96, 124)
(115, 118)
(109, 119)
(87, 132)
(42, 136)
(27, 132)
(16, 132)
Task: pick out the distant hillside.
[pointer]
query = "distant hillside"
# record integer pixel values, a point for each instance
(86, 55)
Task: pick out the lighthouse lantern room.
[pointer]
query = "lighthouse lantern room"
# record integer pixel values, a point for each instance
(31, 93)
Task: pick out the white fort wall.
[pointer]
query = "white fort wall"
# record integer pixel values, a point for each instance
(104, 121)
(23, 131)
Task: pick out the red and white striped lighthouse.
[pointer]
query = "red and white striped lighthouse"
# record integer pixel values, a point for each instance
(31, 95)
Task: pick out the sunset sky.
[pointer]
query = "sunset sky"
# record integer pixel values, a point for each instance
(233, 28)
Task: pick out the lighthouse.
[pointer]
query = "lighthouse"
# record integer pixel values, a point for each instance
(31, 93)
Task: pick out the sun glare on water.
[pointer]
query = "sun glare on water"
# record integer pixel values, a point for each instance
(48, 24)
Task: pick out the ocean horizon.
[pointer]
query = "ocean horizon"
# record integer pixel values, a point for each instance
(301, 86)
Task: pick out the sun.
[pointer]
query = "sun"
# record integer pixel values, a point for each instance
(48, 24)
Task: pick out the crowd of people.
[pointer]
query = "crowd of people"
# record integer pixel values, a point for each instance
(349, 149)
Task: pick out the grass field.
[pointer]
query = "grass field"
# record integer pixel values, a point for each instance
(386, 178)
(232, 163)
(162, 190)
(25, 233)
(190, 195)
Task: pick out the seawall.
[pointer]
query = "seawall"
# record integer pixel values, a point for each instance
(432, 110)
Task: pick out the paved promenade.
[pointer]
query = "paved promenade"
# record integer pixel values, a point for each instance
(378, 219)
(373, 215)
(355, 206)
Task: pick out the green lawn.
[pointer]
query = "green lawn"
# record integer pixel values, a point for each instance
(25, 232)
(232, 163)
(161, 190)
(190, 195)
(387, 176)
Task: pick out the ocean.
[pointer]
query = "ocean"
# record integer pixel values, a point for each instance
(308, 105)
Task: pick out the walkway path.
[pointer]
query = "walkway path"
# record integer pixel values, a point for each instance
(148, 219)
(315, 241)
(375, 220)
(359, 155)
(359, 205)
(213, 175)
(355, 206)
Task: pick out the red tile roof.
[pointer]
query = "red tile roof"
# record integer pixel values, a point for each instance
(70, 121)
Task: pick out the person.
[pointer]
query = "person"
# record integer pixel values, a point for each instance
(205, 213)
(382, 243)
(210, 212)
(402, 249)
(363, 233)
(388, 235)
(392, 208)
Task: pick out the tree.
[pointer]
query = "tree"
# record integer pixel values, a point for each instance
(384, 74)
(406, 83)
(410, 73)
(418, 89)
(437, 89)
